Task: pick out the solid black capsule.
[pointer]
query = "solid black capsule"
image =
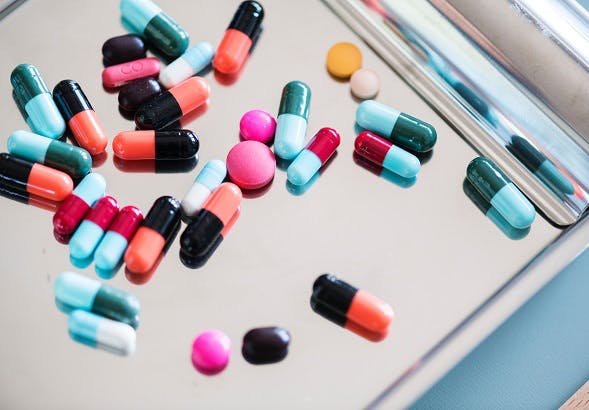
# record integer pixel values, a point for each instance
(265, 345)
(121, 49)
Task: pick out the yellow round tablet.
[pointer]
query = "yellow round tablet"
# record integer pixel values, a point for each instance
(343, 59)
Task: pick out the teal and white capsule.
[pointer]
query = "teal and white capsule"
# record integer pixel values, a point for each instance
(403, 129)
(291, 123)
(188, 64)
(35, 97)
(74, 291)
(207, 180)
(70, 159)
(502, 194)
(101, 333)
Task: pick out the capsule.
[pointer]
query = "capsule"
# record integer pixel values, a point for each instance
(319, 149)
(25, 198)
(403, 129)
(121, 74)
(265, 345)
(101, 333)
(109, 252)
(34, 96)
(134, 145)
(161, 32)
(238, 39)
(384, 153)
(70, 159)
(21, 108)
(217, 211)
(188, 64)
(80, 116)
(496, 188)
(151, 237)
(291, 123)
(354, 309)
(76, 291)
(121, 49)
(207, 180)
(78, 203)
(34, 178)
(171, 105)
(138, 92)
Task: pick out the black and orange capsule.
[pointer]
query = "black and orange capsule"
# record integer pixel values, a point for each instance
(137, 145)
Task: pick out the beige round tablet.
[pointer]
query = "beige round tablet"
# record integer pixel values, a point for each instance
(365, 84)
(343, 59)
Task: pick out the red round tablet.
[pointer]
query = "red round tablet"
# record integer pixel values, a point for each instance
(251, 165)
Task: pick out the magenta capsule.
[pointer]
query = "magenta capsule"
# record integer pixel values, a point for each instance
(319, 149)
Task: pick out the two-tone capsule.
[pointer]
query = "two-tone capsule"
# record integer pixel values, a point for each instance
(137, 145)
(382, 152)
(238, 39)
(32, 93)
(118, 75)
(101, 333)
(403, 129)
(291, 123)
(188, 64)
(80, 116)
(207, 180)
(171, 105)
(498, 189)
(318, 151)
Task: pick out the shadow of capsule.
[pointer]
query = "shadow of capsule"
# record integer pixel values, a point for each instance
(156, 166)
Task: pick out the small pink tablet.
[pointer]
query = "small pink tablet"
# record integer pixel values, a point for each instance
(251, 165)
(257, 125)
(210, 352)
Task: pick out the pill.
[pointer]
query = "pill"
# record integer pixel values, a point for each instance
(539, 165)
(379, 171)
(34, 96)
(135, 145)
(149, 240)
(364, 84)
(207, 180)
(138, 92)
(251, 165)
(238, 38)
(111, 248)
(73, 209)
(343, 59)
(257, 125)
(121, 49)
(188, 64)
(383, 152)
(265, 345)
(171, 105)
(319, 149)
(161, 32)
(216, 213)
(70, 159)
(403, 129)
(291, 123)
(157, 166)
(21, 108)
(356, 310)
(101, 333)
(498, 189)
(26, 198)
(34, 178)
(210, 352)
(121, 74)
(80, 116)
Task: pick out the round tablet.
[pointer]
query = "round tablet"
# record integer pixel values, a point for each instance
(210, 352)
(257, 125)
(343, 59)
(251, 165)
(364, 84)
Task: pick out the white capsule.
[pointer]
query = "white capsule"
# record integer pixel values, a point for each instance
(208, 179)
(99, 332)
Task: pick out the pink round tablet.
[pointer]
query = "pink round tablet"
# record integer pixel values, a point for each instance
(251, 165)
(257, 125)
(210, 352)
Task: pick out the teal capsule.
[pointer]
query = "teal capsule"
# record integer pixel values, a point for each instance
(407, 131)
(163, 33)
(503, 195)
(55, 154)
(193, 61)
(34, 96)
(101, 333)
(291, 123)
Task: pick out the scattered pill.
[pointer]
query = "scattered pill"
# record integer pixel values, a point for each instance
(207, 180)
(383, 152)
(121, 49)
(257, 125)
(384, 173)
(238, 39)
(210, 352)
(171, 105)
(251, 165)
(138, 92)
(265, 345)
(496, 188)
(121, 74)
(364, 84)
(403, 129)
(98, 332)
(291, 123)
(161, 32)
(135, 145)
(343, 59)
(188, 64)
(319, 149)
(34, 96)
